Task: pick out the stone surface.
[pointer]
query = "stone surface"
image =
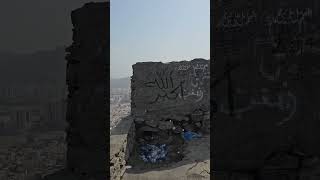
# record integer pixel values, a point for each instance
(165, 125)
(87, 113)
(265, 73)
(139, 120)
(176, 88)
(170, 98)
(152, 123)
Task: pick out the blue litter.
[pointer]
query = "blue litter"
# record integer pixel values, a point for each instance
(153, 153)
(188, 135)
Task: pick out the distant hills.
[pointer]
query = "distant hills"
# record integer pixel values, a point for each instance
(120, 82)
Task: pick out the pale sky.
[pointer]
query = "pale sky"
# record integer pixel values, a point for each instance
(157, 30)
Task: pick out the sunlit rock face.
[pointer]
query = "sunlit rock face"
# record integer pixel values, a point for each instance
(168, 99)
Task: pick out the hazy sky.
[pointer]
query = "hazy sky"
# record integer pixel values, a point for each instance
(157, 30)
(32, 25)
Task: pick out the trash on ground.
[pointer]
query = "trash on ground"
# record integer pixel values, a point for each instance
(153, 153)
(188, 135)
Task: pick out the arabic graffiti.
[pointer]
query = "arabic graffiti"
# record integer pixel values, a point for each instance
(167, 90)
(285, 102)
(237, 19)
(288, 30)
(191, 85)
(291, 70)
(269, 76)
(182, 67)
(197, 80)
(283, 16)
(288, 16)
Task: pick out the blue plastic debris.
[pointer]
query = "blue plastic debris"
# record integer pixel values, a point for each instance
(153, 153)
(188, 135)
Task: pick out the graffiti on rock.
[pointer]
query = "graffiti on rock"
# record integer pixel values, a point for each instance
(185, 82)
(166, 87)
(237, 19)
(285, 102)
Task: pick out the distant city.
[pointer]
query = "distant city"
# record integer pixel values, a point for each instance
(120, 94)
(32, 114)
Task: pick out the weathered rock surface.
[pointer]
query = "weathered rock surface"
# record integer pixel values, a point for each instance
(265, 93)
(87, 109)
(166, 101)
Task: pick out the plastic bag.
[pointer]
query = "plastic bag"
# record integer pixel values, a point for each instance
(153, 153)
(188, 135)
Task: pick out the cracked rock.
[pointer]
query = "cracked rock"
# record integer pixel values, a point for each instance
(151, 123)
(165, 125)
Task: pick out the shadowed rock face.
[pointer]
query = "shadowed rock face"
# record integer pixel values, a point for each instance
(265, 92)
(168, 99)
(87, 74)
(88, 61)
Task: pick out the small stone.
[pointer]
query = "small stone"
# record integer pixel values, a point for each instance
(206, 117)
(186, 118)
(198, 124)
(165, 125)
(139, 120)
(180, 118)
(151, 123)
(140, 140)
(178, 130)
(185, 124)
(197, 118)
(149, 129)
(189, 127)
(166, 140)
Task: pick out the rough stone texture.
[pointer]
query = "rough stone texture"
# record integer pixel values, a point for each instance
(87, 112)
(167, 99)
(159, 89)
(121, 144)
(265, 92)
(164, 95)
